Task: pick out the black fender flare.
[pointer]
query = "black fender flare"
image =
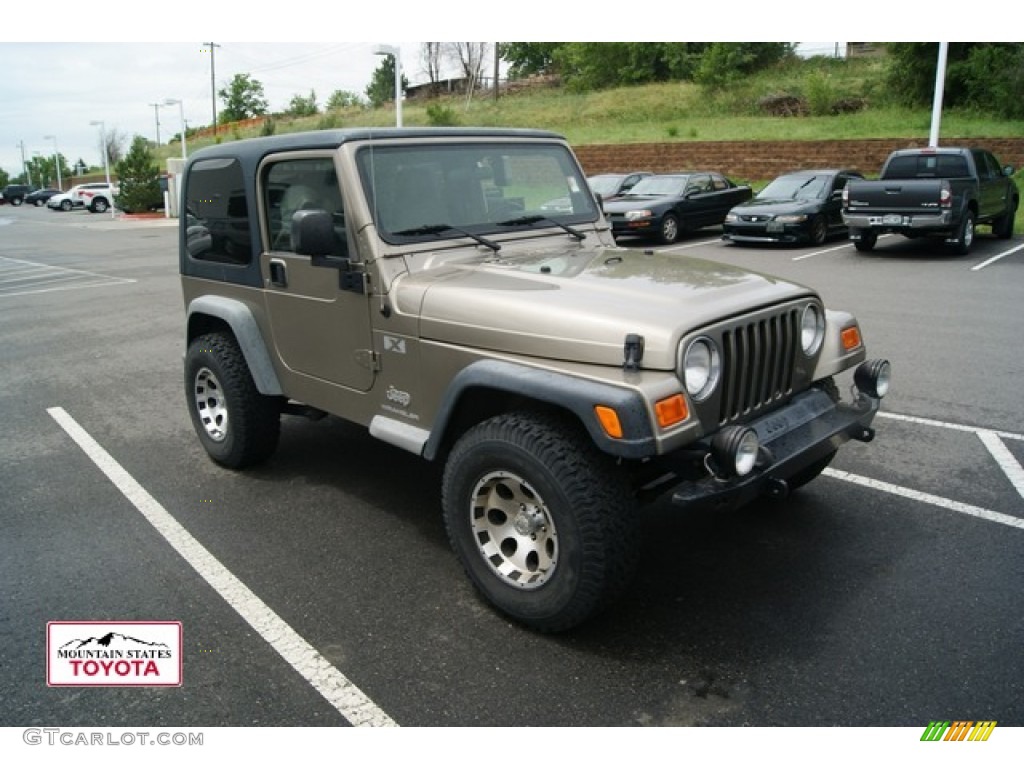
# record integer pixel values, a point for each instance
(574, 394)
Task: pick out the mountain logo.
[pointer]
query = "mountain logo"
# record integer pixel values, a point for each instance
(124, 653)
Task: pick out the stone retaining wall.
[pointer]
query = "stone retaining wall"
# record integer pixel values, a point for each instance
(764, 160)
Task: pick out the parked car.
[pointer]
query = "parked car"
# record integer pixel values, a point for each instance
(15, 193)
(74, 197)
(40, 196)
(607, 186)
(797, 207)
(664, 206)
(98, 198)
(612, 185)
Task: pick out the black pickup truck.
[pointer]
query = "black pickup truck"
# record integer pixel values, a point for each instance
(941, 192)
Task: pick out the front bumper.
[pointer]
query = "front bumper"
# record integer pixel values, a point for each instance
(792, 438)
(787, 233)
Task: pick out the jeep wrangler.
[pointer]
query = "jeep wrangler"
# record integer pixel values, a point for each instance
(414, 281)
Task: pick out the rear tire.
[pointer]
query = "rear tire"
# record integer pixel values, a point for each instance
(99, 205)
(866, 242)
(236, 424)
(541, 520)
(965, 236)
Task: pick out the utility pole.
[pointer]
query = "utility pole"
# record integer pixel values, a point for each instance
(497, 59)
(213, 85)
(24, 165)
(156, 111)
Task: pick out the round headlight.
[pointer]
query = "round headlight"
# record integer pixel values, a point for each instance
(735, 450)
(702, 367)
(812, 330)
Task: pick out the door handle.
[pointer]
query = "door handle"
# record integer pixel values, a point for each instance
(278, 273)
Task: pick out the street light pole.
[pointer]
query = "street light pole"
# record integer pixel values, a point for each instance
(156, 111)
(56, 160)
(184, 128)
(106, 161)
(394, 50)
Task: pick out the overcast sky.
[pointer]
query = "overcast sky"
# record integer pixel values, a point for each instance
(62, 87)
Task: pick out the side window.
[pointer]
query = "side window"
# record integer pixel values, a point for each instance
(718, 183)
(289, 186)
(217, 216)
(699, 184)
(986, 170)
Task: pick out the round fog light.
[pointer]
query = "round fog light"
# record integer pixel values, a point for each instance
(872, 377)
(735, 450)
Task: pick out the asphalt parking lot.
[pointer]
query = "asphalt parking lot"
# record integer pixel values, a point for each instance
(319, 590)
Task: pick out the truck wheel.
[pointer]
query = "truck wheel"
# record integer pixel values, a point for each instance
(99, 205)
(237, 425)
(965, 237)
(540, 519)
(1003, 226)
(669, 231)
(819, 230)
(866, 242)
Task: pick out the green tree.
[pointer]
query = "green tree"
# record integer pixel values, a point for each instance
(139, 179)
(382, 83)
(525, 59)
(303, 106)
(243, 98)
(724, 63)
(5, 179)
(986, 76)
(340, 99)
(590, 66)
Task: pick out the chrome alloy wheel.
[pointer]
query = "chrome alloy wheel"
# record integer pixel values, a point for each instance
(514, 530)
(211, 405)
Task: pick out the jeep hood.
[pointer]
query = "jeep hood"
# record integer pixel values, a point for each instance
(579, 304)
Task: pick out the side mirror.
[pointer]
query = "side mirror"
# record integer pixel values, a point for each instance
(1007, 170)
(312, 233)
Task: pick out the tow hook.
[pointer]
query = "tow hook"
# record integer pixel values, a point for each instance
(776, 488)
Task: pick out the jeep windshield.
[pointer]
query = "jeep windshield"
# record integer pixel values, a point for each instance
(418, 192)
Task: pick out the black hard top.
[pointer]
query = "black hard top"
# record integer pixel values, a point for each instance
(253, 150)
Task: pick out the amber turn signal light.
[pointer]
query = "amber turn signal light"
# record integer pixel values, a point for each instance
(851, 338)
(671, 410)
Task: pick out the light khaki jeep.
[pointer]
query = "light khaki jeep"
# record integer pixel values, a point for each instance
(458, 293)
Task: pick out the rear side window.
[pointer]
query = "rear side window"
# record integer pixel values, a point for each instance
(217, 223)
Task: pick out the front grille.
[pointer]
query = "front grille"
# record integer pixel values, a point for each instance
(757, 363)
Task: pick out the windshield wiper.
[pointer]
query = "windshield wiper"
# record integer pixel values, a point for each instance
(437, 229)
(534, 219)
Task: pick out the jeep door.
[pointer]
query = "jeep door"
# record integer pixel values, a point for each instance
(321, 331)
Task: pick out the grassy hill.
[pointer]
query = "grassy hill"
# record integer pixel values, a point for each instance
(677, 111)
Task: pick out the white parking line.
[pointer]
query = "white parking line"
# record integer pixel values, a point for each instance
(1006, 460)
(996, 258)
(686, 246)
(927, 498)
(819, 253)
(19, 278)
(950, 425)
(352, 703)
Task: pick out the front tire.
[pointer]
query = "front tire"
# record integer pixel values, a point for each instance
(819, 230)
(541, 520)
(1003, 226)
(236, 424)
(65, 205)
(669, 231)
(99, 206)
